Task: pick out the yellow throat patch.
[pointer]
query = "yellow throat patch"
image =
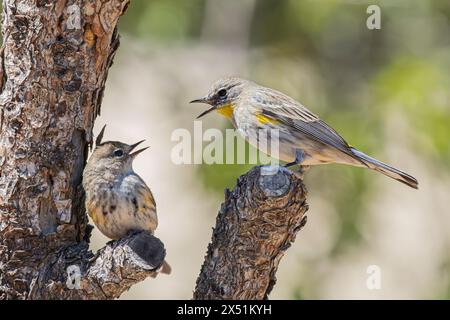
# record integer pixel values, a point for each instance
(226, 110)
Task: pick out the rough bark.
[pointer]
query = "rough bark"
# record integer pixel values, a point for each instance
(256, 224)
(54, 64)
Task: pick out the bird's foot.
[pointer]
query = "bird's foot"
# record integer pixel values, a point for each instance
(298, 159)
(300, 172)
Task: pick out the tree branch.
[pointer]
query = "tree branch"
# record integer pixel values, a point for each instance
(54, 65)
(75, 273)
(256, 224)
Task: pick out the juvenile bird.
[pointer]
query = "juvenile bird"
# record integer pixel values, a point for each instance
(303, 138)
(117, 199)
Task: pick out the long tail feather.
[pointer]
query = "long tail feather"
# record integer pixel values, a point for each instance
(387, 170)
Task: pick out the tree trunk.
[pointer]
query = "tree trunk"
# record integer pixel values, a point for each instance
(54, 64)
(257, 223)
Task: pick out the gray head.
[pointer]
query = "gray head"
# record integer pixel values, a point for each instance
(223, 93)
(114, 156)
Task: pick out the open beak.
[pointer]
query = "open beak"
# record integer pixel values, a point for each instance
(133, 146)
(206, 112)
(203, 100)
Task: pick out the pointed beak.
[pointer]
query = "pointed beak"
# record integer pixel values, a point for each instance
(133, 146)
(205, 112)
(203, 100)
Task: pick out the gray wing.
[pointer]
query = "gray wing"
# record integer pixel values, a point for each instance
(280, 107)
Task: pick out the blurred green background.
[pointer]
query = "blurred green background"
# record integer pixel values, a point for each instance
(386, 91)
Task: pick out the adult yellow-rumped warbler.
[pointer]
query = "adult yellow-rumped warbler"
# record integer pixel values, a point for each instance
(304, 139)
(117, 199)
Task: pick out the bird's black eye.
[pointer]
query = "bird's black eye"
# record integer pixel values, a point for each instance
(118, 153)
(222, 93)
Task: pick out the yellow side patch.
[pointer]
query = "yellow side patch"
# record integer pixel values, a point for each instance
(226, 110)
(264, 119)
(92, 210)
(149, 202)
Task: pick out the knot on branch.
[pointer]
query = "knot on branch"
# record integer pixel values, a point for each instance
(148, 248)
(274, 181)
